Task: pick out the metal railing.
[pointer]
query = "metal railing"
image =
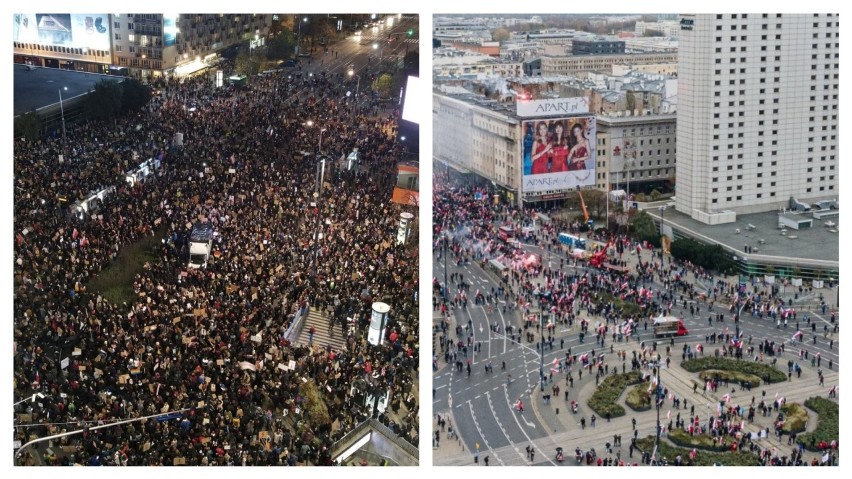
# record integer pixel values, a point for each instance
(350, 435)
(376, 458)
(402, 443)
(295, 328)
(381, 428)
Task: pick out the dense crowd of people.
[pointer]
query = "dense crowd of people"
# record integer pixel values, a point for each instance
(587, 301)
(210, 343)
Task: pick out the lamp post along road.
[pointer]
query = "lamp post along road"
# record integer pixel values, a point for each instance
(662, 233)
(20, 451)
(380, 48)
(299, 37)
(62, 113)
(318, 197)
(31, 398)
(445, 246)
(740, 314)
(541, 353)
(656, 456)
(357, 89)
(446, 252)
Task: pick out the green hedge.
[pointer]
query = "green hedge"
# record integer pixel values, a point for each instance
(630, 308)
(639, 399)
(708, 256)
(732, 376)
(699, 441)
(828, 423)
(704, 458)
(796, 418)
(735, 365)
(605, 398)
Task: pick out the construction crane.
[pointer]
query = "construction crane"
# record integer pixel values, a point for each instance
(583, 204)
(599, 257)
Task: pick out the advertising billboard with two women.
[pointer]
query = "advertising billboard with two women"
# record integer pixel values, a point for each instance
(559, 154)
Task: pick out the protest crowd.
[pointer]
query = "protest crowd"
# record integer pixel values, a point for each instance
(581, 300)
(210, 345)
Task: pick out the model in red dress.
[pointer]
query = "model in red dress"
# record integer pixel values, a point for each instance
(541, 150)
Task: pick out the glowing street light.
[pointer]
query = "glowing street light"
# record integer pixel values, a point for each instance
(62, 112)
(357, 86)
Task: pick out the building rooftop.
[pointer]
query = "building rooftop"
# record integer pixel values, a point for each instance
(820, 243)
(39, 87)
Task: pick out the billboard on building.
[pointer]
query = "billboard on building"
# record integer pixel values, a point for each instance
(84, 30)
(558, 154)
(410, 106)
(553, 107)
(169, 29)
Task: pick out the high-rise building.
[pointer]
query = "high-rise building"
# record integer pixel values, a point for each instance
(757, 112)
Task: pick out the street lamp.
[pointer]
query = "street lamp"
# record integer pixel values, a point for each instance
(318, 197)
(626, 163)
(662, 233)
(659, 405)
(357, 87)
(380, 48)
(299, 36)
(446, 252)
(740, 314)
(541, 352)
(445, 247)
(62, 112)
(253, 44)
(318, 192)
(31, 398)
(177, 414)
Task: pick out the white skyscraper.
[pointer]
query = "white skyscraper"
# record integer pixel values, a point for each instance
(757, 112)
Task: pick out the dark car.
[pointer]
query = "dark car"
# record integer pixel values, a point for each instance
(291, 63)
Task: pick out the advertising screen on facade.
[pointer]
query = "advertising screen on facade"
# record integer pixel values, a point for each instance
(558, 154)
(83, 30)
(169, 29)
(410, 106)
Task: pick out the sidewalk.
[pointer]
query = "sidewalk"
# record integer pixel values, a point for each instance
(564, 426)
(566, 431)
(451, 452)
